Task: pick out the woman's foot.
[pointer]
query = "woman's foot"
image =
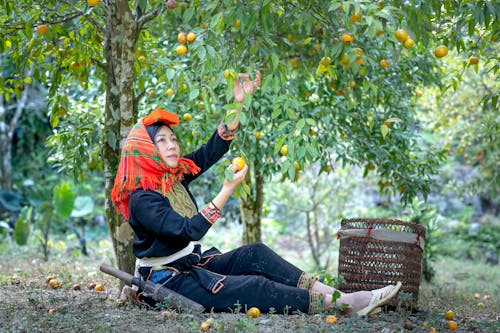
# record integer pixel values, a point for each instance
(379, 297)
(364, 302)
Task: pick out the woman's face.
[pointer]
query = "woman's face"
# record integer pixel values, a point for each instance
(166, 142)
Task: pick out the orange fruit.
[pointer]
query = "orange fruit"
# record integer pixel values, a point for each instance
(253, 312)
(432, 330)
(191, 37)
(359, 61)
(347, 38)
(344, 60)
(356, 17)
(451, 325)
(256, 135)
(325, 61)
(204, 26)
(92, 2)
(50, 277)
(473, 60)
(441, 51)
(408, 44)
(237, 23)
(297, 166)
(419, 93)
(294, 62)
(99, 287)
(379, 32)
(240, 162)
(330, 319)
(229, 74)
(401, 35)
(205, 326)
(181, 49)
(181, 37)
(42, 29)
(169, 92)
(384, 63)
(449, 315)
(352, 84)
(54, 283)
(187, 117)
(358, 51)
(284, 150)
(171, 4)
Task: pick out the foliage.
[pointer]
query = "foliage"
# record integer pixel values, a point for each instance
(321, 96)
(22, 227)
(465, 120)
(422, 213)
(56, 210)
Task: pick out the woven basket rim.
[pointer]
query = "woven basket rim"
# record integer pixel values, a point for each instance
(420, 228)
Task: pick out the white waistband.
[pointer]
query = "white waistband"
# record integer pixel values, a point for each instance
(157, 261)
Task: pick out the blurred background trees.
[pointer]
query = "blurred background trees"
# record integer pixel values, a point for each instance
(342, 95)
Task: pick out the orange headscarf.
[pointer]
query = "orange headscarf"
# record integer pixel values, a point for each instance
(141, 165)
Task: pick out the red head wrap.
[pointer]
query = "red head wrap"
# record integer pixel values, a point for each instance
(141, 165)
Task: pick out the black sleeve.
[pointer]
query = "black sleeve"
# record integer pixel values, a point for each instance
(155, 214)
(207, 155)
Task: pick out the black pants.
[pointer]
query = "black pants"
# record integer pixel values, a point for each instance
(251, 275)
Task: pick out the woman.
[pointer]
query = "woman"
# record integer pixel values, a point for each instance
(152, 191)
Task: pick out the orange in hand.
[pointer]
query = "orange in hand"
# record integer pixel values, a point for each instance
(240, 162)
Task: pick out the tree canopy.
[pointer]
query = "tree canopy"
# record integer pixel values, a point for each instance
(340, 80)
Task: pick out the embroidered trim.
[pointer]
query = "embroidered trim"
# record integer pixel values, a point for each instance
(316, 300)
(211, 214)
(306, 281)
(225, 133)
(206, 259)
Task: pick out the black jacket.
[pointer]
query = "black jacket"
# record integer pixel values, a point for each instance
(159, 230)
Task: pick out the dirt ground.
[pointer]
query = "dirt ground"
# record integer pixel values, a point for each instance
(29, 304)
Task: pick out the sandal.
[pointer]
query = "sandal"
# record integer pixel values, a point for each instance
(380, 297)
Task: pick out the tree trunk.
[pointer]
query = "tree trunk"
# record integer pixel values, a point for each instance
(120, 40)
(251, 210)
(7, 127)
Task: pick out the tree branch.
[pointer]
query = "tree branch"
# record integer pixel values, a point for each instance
(149, 16)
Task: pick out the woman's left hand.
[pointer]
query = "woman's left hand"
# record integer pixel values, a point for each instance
(248, 87)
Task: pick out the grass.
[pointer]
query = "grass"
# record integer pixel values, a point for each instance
(26, 301)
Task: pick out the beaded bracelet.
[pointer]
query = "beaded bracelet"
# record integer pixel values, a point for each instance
(225, 133)
(211, 214)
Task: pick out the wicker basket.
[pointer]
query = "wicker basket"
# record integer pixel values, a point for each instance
(377, 252)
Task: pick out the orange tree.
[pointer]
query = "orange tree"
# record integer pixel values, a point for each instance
(338, 84)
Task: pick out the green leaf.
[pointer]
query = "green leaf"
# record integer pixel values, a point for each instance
(84, 205)
(193, 94)
(279, 143)
(384, 129)
(188, 14)
(300, 124)
(22, 228)
(63, 199)
(243, 118)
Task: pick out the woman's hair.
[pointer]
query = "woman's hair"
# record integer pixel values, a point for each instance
(154, 128)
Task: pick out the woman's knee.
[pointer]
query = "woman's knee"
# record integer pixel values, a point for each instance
(259, 248)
